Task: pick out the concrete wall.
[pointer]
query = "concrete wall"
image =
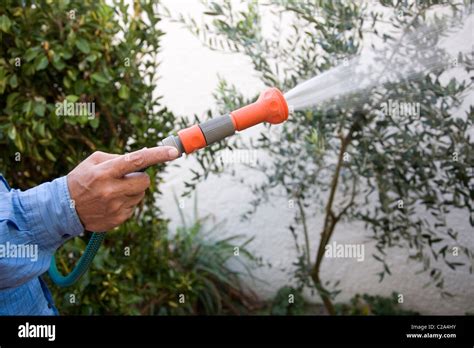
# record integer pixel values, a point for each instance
(189, 76)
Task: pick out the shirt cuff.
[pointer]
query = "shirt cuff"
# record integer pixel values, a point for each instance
(52, 211)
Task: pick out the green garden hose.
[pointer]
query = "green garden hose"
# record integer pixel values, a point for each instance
(82, 265)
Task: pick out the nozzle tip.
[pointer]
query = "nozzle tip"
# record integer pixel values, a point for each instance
(270, 107)
(277, 108)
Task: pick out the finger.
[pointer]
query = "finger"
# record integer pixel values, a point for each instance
(133, 184)
(127, 213)
(140, 159)
(133, 201)
(99, 156)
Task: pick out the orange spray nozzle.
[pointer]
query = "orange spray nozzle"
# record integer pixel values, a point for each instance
(270, 107)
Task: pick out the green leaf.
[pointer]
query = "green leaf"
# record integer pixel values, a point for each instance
(41, 63)
(28, 107)
(12, 132)
(14, 81)
(59, 64)
(72, 74)
(39, 129)
(72, 98)
(5, 23)
(11, 99)
(83, 46)
(94, 122)
(91, 58)
(19, 143)
(39, 109)
(66, 54)
(100, 78)
(50, 155)
(124, 92)
(31, 53)
(66, 82)
(134, 119)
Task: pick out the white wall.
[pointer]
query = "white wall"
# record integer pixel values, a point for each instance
(189, 76)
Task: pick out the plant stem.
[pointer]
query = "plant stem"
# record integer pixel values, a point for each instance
(330, 222)
(306, 234)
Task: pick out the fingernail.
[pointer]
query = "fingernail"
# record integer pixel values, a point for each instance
(173, 153)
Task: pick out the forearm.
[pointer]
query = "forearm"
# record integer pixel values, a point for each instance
(33, 224)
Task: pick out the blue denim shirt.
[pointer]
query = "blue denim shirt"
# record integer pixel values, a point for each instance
(33, 224)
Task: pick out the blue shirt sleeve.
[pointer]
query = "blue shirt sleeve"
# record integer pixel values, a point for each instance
(33, 224)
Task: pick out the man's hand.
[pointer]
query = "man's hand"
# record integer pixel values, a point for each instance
(106, 188)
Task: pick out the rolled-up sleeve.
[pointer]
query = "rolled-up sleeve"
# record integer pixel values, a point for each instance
(41, 218)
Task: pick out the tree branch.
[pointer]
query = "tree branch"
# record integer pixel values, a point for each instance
(305, 231)
(331, 218)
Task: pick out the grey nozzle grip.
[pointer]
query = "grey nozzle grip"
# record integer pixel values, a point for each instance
(173, 141)
(213, 130)
(217, 128)
(170, 141)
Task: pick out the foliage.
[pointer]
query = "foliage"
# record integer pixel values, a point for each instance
(364, 304)
(282, 306)
(425, 163)
(105, 54)
(79, 51)
(76, 51)
(161, 273)
(372, 305)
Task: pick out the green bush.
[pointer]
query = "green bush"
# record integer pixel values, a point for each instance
(364, 304)
(288, 301)
(75, 51)
(372, 305)
(187, 272)
(79, 51)
(92, 52)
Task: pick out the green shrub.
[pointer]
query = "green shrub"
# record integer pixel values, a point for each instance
(372, 305)
(89, 51)
(187, 272)
(75, 51)
(288, 301)
(83, 51)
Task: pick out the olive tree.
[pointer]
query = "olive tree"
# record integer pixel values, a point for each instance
(400, 173)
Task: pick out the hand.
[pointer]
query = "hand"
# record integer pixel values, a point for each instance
(106, 188)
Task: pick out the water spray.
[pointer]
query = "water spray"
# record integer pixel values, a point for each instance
(412, 55)
(270, 107)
